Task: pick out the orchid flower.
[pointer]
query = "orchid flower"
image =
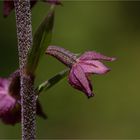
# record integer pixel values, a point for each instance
(81, 67)
(10, 107)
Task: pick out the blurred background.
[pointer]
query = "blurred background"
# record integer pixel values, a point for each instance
(112, 28)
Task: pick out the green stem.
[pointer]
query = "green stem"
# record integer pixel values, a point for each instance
(28, 96)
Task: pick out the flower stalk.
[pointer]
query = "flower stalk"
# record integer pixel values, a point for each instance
(28, 97)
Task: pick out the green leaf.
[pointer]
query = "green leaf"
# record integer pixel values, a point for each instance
(52, 81)
(41, 40)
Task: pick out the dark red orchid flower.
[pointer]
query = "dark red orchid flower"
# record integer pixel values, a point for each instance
(81, 67)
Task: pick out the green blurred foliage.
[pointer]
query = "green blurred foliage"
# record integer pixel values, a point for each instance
(112, 28)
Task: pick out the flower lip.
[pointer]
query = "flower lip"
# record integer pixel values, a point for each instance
(78, 80)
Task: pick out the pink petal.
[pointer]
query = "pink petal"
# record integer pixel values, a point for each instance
(73, 81)
(6, 103)
(4, 83)
(92, 55)
(93, 66)
(78, 80)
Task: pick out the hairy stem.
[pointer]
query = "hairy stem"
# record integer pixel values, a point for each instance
(28, 97)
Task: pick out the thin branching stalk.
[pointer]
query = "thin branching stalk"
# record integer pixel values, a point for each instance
(28, 97)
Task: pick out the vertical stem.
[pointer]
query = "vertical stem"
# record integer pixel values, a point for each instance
(28, 98)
